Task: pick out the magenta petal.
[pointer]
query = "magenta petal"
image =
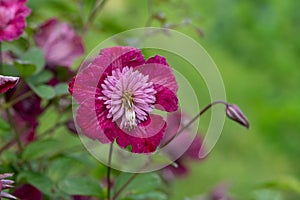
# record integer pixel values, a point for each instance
(7, 82)
(165, 99)
(88, 121)
(146, 138)
(160, 73)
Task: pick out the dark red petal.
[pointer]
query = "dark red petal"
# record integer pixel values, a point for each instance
(165, 99)
(145, 138)
(28, 192)
(7, 82)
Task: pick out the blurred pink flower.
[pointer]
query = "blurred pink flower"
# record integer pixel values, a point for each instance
(117, 93)
(6, 184)
(12, 19)
(28, 192)
(175, 122)
(7, 82)
(60, 43)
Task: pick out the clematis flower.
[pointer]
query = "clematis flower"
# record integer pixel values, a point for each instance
(179, 168)
(12, 19)
(28, 191)
(6, 184)
(117, 93)
(7, 82)
(60, 43)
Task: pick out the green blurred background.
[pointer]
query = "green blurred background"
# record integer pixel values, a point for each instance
(256, 46)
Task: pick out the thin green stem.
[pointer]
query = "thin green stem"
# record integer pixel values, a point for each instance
(194, 119)
(124, 186)
(14, 129)
(99, 5)
(109, 170)
(18, 99)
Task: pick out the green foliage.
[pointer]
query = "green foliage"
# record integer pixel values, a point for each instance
(143, 187)
(80, 186)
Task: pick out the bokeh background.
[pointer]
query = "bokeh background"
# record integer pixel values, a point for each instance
(256, 47)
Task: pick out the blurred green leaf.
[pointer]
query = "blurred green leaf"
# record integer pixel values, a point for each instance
(4, 125)
(267, 195)
(60, 168)
(40, 149)
(286, 184)
(141, 185)
(43, 91)
(25, 68)
(39, 180)
(148, 196)
(10, 70)
(43, 77)
(36, 57)
(61, 89)
(81, 186)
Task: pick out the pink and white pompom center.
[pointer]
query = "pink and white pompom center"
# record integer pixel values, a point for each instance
(129, 97)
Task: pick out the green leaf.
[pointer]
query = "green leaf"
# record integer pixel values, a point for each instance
(60, 168)
(142, 184)
(285, 183)
(39, 180)
(61, 89)
(43, 77)
(36, 57)
(9, 70)
(4, 125)
(81, 186)
(25, 68)
(41, 148)
(149, 196)
(43, 91)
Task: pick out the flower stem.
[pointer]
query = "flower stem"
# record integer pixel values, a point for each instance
(195, 118)
(109, 170)
(97, 8)
(18, 99)
(124, 186)
(14, 129)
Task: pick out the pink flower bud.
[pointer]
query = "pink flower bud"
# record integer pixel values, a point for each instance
(7, 82)
(235, 113)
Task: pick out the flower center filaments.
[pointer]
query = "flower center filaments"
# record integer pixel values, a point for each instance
(128, 96)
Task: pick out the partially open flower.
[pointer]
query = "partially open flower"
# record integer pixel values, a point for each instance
(60, 43)
(117, 93)
(12, 19)
(235, 113)
(6, 184)
(7, 82)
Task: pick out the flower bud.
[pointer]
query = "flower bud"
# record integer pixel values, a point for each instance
(235, 113)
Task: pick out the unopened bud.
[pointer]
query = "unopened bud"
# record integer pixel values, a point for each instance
(235, 113)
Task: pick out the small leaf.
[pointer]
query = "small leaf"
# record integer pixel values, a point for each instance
(40, 148)
(285, 183)
(9, 70)
(81, 186)
(36, 57)
(142, 184)
(61, 89)
(25, 68)
(43, 77)
(43, 91)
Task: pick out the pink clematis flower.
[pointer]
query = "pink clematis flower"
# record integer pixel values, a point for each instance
(7, 82)
(12, 19)
(117, 93)
(60, 43)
